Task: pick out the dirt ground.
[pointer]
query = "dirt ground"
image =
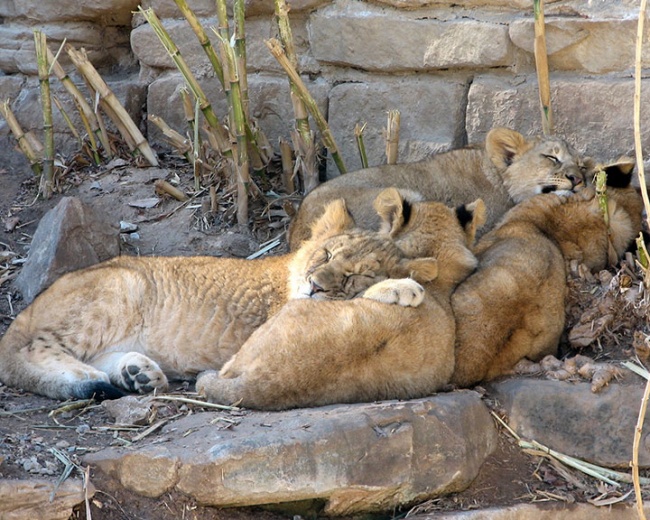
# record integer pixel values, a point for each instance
(33, 430)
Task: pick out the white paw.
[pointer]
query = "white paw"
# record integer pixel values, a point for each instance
(404, 291)
(140, 374)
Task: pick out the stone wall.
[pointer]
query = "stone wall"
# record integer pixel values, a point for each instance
(452, 69)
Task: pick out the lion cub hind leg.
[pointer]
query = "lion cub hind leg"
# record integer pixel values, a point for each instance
(51, 370)
(403, 291)
(132, 371)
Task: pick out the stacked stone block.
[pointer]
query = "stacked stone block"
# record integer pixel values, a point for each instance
(452, 69)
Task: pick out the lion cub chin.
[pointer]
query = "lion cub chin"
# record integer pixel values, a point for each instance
(315, 353)
(506, 170)
(130, 323)
(513, 306)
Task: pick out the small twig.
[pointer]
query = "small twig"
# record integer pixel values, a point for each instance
(195, 402)
(361, 146)
(392, 136)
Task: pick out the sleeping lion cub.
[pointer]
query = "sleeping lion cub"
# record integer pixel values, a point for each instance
(511, 307)
(508, 169)
(132, 322)
(314, 353)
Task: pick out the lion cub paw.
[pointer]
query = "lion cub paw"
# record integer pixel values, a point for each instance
(404, 291)
(140, 374)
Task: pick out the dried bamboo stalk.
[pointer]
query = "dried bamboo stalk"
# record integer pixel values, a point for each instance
(67, 119)
(541, 64)
(299, 109)
(232, 76)
(307, 165)
(85, 111)
(361, 146)
(190, 80)
(164, 187)
(178, 141)
(203, 38)
(287, 166)
(328, 139)
(47, 180)
(123, 119)
(240, 53)
(25, 146)
(392, 136)
(644, 193)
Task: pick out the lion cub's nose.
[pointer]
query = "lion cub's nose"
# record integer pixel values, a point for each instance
(314, 288)
(576, 180)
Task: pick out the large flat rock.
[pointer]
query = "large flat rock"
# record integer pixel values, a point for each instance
(569, 418)
(362, 457)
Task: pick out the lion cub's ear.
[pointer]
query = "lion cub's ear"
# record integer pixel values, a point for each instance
(334, 221)
(394, 208)
(503, 145)
(471, 217)
(619, 173)
(422, 270)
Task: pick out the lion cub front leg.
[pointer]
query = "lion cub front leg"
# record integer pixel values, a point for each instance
(403, 291)
(132, 371)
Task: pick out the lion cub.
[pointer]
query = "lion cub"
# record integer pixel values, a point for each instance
(314, 353)
(508, 169)
(132, 322)
(513, 306)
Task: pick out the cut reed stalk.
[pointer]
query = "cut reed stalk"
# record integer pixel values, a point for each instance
(361, 146)
(68, 120)
(646, 281)
(178, 141)
(190, 80)
(47, 180)
(85, 111)
(163, 186)
(21, 138)
(287, 166)
(328, 139)
(122, 119)
(392, 136)
(307, 164)
(203, 38)
(541, 64)
(231, 76)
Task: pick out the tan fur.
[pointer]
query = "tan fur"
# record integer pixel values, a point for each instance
(507, 170)
(313, 353)
(513, 306)
(134, 322)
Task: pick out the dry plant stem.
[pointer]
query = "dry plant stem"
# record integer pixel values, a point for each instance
(239, 15)
(277, 51)
(299, 109)
(67, 119)
(361, 146)
(203, 38)
(637, 110)
(190, 80)
(47, 181)
(392, 136)
(21, 138)
(123, 119)
(173, 137)
(305, 152)
(164, 187)
(635, 451)
(232, 75)
(85, 110)
(287, 166)
(541, 64)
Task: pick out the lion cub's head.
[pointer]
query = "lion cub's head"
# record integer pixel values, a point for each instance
(431, 229)
(531, 167)
(340, 262)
